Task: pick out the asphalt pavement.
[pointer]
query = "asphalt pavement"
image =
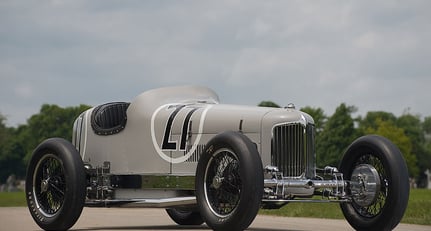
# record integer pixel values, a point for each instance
(122, 219)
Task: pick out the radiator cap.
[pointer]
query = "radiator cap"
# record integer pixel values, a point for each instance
(290, 106)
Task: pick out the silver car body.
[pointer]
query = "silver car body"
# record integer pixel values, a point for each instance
(167, 129)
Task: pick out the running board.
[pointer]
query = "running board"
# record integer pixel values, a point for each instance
(143, 203)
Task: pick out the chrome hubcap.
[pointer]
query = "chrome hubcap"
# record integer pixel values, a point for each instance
(365, 185)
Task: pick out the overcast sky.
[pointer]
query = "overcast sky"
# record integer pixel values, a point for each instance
(375, 55)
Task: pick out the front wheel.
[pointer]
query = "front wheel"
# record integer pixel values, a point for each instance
(379, 184)
(229, 182)
(55, 185)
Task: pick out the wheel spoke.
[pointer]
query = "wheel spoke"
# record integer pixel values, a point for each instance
(377, 207)
(223, 183)
(49, 185)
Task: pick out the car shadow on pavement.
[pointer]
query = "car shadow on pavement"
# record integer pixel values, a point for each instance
(153, 227)
(161, 227)
(169, 227)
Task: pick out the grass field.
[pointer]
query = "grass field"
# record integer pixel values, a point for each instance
(418, 210)
(12, 199)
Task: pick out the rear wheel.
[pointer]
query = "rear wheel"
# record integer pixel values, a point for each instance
(185, 216)
(55, 185)
(379, 184)
(229, 182)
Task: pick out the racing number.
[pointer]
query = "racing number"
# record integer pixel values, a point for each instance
(172, 145)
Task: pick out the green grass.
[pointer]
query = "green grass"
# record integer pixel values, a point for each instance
(12, 199)
(418, 209)
(298, 209)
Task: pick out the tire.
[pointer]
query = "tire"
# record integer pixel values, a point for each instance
(55, 185)
(185, 217)
(387, 210)
(229, 182)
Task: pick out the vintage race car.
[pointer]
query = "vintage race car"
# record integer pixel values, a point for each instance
(178, 148)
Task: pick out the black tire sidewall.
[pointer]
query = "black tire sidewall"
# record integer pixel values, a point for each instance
(185, 217)
(75, 184)
(397, 174)
(251, 175)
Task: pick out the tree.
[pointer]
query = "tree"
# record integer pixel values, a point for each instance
(338, 133)
(11, 157)
(268, 104)
(415, 130)
(412, 127)
(427, 157)
(11, 152)
(52, 121)
(427, 125)
(399, 138)
(370, 120)
(3, 130)
(7, 159)
(319, 118)
(17, 144)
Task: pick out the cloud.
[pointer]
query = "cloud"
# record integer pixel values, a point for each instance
(318, 53)
(24, 91)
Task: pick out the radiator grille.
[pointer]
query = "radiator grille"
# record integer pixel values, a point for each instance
(293, 149)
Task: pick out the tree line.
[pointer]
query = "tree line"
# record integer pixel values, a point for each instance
(18, 143)
(334, 133)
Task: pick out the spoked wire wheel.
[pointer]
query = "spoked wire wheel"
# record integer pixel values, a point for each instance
(223, 183)
(229, 182)
(55, 185)
(375, 160)
(49, 185)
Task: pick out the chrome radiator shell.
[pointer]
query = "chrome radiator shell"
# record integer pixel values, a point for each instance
(293, 149)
